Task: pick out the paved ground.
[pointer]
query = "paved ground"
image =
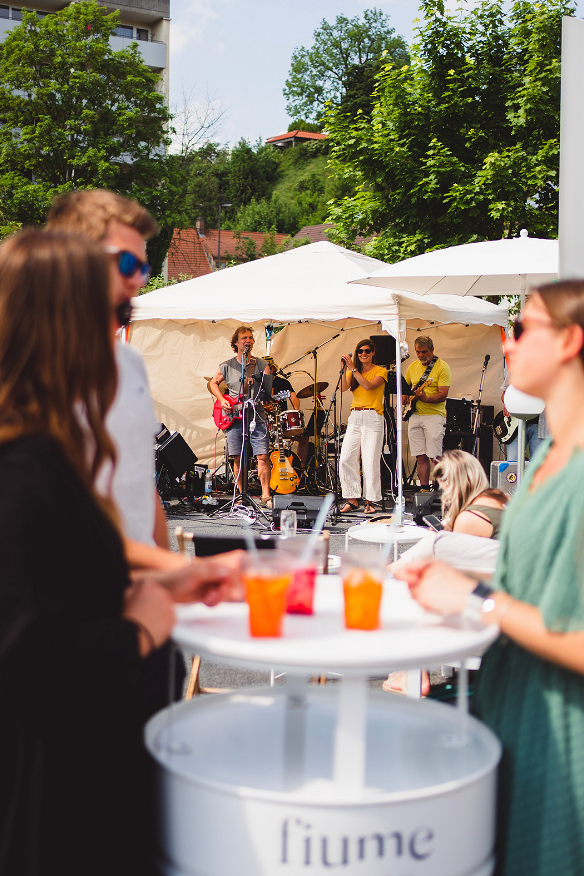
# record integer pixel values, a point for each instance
(201, 524)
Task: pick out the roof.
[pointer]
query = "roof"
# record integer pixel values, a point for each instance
(316, 233)
(297, 135)
(195, 255)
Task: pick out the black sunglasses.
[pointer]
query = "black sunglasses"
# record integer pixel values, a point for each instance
(365, 350)
(518, 328)
(128, 263)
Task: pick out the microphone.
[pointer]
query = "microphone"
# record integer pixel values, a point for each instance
(486, 362)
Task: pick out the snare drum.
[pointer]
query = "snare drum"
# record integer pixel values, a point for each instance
(292, 424)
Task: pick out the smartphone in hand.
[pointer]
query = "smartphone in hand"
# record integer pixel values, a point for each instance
(432, 521)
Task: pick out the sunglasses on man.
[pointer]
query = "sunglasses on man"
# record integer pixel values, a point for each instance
(128, 263)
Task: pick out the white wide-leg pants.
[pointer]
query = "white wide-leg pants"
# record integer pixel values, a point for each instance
(363, 441)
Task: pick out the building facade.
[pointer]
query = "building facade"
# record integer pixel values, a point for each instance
(146, 22)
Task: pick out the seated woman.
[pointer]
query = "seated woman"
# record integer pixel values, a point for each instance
(468, 503)
(83, 654)
(470, 507)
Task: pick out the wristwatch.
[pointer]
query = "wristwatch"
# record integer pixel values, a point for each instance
(479, 603)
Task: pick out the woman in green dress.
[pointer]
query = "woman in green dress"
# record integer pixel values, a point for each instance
(530, 688)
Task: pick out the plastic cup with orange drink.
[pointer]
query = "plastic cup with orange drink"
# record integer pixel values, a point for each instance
(267, 576)
(362, 575)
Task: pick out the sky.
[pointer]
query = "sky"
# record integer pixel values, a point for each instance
(238, 53)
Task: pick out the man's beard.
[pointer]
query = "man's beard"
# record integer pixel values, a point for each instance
(124, 313)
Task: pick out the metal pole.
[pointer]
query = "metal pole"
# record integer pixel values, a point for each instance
(520, 451)
(571, 216)
(399, 426)
(219, 241)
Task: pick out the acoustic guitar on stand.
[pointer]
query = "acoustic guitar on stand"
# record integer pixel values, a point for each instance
(283, 479)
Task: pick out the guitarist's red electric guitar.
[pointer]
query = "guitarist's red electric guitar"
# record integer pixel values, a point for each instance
(223, 420)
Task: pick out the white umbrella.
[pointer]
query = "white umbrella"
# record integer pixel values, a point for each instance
(493, 267)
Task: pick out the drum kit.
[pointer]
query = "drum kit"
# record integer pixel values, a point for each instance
(316, 477)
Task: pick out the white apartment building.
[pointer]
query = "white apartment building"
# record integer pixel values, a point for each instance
(146, 22)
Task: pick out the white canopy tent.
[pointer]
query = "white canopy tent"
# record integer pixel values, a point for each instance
(183, 331)
(492, 267)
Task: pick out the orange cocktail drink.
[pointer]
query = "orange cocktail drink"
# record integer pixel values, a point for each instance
(362, 588)
(267, 579)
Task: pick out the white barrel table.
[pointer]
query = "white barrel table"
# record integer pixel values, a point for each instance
(302, 779)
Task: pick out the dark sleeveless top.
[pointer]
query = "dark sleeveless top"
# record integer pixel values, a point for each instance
(493, 515)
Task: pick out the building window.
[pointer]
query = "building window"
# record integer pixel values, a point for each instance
(16, 14)
(124, 30)
(141, 34)
(4, 11)
(42, 14)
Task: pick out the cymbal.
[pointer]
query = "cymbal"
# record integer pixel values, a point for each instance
(222, 385)
(312, 389)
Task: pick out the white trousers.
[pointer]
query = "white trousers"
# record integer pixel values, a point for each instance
(363, 441)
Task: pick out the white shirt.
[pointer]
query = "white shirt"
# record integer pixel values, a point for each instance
(132, 425)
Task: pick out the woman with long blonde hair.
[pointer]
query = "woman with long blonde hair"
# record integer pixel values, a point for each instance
(468, 503)
(83, 662)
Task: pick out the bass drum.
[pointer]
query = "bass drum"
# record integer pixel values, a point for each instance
(292, 424)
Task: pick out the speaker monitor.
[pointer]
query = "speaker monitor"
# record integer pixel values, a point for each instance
(306, 507)
(176, 454)
(425, 504)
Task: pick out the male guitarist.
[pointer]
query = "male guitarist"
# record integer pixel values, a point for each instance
(430, 379)
(258, 386)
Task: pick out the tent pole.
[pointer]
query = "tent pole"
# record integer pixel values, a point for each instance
(399, 426)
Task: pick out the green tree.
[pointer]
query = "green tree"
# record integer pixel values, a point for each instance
(463, 144)
(342, 52)
(253, 171)
(76, 114)
(266, 215)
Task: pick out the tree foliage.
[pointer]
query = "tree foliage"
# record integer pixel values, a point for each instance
(343, 54)
(76, 114)
(463, 143)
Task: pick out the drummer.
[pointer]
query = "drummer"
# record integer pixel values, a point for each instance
(280, 384)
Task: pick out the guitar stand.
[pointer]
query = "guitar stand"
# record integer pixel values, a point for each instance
(244, 505)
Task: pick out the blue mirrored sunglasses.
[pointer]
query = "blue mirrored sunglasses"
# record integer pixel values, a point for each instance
(128, 263)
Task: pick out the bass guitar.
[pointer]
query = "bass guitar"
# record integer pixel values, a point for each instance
(284, 478)
(223, 420)
(505, 428)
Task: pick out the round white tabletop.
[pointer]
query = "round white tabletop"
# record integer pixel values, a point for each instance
(383, 533)
(408, 636)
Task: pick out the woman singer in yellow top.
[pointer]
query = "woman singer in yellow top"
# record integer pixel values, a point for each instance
(364, 436)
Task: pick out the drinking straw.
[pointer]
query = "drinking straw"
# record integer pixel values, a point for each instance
(317, 528)
(250, 541)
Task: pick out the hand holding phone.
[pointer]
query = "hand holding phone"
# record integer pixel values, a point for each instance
(432, 521)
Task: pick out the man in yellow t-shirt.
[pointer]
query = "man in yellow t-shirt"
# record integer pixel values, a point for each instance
(426, 426)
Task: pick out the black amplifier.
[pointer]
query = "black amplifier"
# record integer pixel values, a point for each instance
(458, 415)
(306, 507)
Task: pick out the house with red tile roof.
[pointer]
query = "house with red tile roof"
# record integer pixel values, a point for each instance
(193, 251)
(316, 233)
(295, 138)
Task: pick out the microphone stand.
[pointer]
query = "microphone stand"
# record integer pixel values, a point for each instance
(335, 510)
(475, 449)
(244, 499)
(314, 354)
